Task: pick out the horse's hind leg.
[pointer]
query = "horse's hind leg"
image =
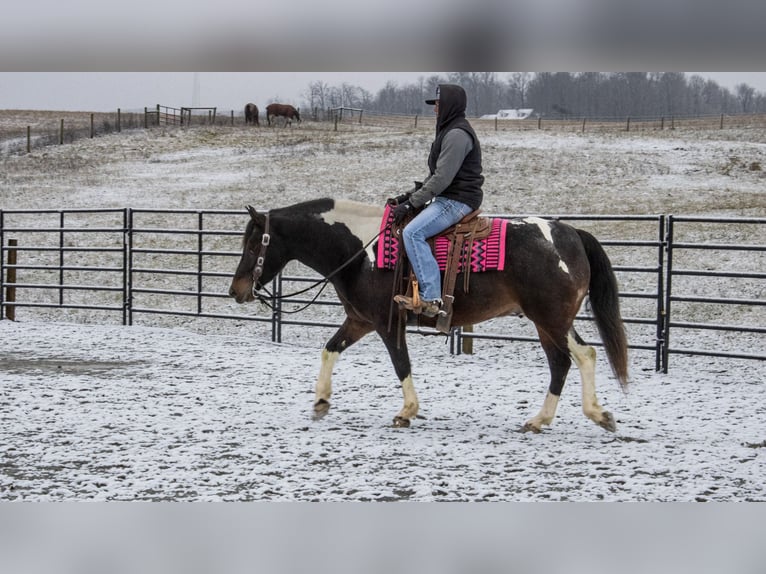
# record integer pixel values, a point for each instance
(559, 363)
(585, 357)
(348, 334)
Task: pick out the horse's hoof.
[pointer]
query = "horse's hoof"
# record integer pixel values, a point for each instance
(529, 427)
(401, 422)
(321, 408)
(608, 422)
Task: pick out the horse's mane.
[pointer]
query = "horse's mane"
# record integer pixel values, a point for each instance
(343, 210)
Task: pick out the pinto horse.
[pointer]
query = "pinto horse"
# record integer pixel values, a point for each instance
(285, 110)
(251, 114)
(550, 267)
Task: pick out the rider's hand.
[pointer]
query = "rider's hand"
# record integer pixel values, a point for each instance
(402, 211)
(399, 199)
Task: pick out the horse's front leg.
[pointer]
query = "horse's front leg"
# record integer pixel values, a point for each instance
(348, 334)
(400, 357)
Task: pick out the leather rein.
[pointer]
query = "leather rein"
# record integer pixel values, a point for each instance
(258, 271)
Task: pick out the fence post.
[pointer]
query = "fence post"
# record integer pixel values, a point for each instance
(119, 127)
(583, 125)
(200, 259)
(467, 342)
(127, 315)
(539, 122)
(416, 121)
(61, 133)
(91, 126)
(627, 128)
(10, 288)
(661, 315)
(61, 258)
(721, 122)
(668, 292)
(29, 139)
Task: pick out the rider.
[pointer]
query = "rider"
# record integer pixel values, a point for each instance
(449, 193)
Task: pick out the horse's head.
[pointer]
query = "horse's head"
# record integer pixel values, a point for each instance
(297, 114)
(258, 264)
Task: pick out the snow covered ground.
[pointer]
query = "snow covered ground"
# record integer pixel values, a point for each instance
(125, 413)
(95, 412)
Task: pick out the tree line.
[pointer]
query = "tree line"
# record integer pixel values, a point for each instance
(557, 95)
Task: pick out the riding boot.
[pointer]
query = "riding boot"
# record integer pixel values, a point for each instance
(420, 306)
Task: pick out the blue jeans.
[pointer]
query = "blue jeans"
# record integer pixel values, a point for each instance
(437, 216)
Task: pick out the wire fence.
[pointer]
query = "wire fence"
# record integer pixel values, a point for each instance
(73, 126)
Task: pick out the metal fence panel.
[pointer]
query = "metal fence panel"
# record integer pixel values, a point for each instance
(164, 267)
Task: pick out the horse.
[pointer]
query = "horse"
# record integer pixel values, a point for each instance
(550, 267)
(251, 114)
(285, 110)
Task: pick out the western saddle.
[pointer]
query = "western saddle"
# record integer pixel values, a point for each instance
(461, 237)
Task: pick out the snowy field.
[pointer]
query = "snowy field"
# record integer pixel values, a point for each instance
(115, 413)
(96, 412)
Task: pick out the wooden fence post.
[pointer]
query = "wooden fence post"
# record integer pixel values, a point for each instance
(468, 341)
(29, 139)
(119, 126)
(721, 122)
(10, 289)
(92, 132)
(627, 128)
(61, 133)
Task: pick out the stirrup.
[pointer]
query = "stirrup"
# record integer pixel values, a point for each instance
(419, 306)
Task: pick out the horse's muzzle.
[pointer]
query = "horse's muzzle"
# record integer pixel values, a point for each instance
(241, 294)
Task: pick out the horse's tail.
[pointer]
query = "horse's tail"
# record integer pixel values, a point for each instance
(605, 304)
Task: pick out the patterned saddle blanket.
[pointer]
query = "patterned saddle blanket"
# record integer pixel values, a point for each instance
(487, 254)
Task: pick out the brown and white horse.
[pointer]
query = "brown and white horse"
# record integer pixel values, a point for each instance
(284, 110)
(550, 268)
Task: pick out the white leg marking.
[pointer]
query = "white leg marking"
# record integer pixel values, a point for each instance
(324, 383)
(410, 409)
(546, 414)
(585, 358)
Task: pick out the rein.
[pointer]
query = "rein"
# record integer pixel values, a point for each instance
(258, 271)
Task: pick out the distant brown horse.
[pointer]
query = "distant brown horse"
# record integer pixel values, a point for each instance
(550, 267)
(251, 114)
(285, 110)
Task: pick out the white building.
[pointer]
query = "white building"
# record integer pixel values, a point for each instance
(519, 114)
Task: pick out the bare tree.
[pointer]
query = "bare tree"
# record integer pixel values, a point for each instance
(745, 96)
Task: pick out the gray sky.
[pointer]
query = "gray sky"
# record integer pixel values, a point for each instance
(107, 91)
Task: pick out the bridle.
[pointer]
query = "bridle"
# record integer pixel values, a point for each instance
(258, 271)
(261, 258)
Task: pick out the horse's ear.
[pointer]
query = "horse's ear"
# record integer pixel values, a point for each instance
(254, 215)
